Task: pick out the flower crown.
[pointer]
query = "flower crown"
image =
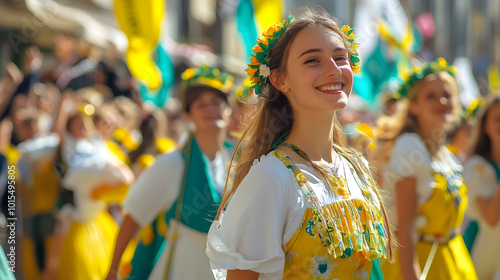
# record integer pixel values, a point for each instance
(259, 68)
(418, 73)
(210, 76)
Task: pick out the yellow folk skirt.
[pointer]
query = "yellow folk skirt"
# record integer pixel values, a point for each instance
(451, 261)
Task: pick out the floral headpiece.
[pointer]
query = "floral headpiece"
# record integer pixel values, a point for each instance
(259, 68)
(418, 73)
(210, 76)
(471, 110)
(354, 59)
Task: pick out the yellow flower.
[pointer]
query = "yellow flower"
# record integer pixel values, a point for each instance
(188, 74)
(301, 179)
(319, 228)
(345, 29)
(356, 69)
(366, 193)
(339, 186)
(442, 62)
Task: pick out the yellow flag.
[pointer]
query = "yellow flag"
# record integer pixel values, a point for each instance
(141, 23)
(267, 13)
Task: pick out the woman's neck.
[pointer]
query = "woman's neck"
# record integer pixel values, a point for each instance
(210, 142)
(311, 134)
(433, 137)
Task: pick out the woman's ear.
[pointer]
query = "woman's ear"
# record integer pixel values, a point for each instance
(413, 108)
(278, 81)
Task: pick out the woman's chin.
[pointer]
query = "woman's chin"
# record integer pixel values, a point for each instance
(340, 104)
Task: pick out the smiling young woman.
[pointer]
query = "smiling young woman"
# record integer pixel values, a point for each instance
(292, 212)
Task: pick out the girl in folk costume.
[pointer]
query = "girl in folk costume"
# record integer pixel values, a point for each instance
(93, 175)
(430, 197)
(302, 205)
(187, 184)
(482, 175)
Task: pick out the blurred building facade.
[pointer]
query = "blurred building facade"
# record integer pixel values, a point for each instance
(469, 28)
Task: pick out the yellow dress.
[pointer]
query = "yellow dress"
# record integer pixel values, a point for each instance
(87, 247)
(443, 212)
(341, 247)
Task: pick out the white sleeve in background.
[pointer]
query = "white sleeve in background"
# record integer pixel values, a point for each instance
(480, 179)
(155, 189)
(409, 157)
(250, 234)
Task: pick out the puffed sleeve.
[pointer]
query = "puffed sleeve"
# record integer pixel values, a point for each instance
(409, 158)
(249, 235)
(480, 179)
(156, 188)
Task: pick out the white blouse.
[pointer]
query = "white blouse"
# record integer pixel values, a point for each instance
(410, 158)
(263, 215)
(480, 179)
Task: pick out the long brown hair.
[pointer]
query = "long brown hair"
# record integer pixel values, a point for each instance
(274, 116)
(481, 144)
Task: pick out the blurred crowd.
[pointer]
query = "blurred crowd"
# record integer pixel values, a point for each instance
(77, 116)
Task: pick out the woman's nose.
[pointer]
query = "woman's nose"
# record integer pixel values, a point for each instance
(444, 100)
(332, 68)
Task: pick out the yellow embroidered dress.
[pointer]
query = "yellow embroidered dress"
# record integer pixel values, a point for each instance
(442, 201)
(271, 225)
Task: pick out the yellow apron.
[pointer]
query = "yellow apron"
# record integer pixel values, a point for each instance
(341, 247)
(444, 212)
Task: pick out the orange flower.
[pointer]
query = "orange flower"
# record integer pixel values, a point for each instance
(253, 60)
(257, 49)
(251, 72)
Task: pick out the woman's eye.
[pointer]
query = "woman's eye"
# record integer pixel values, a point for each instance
(312, 60)
(340, 58)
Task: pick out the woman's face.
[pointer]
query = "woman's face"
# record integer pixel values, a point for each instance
(106, 125)
(209, 112)
(433, 105)
(77, 127)
(492, 124)
(318, 75)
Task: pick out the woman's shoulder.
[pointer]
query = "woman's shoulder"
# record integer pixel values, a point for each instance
(409, 141)
(410, 147)
(476, 160)
(478, 164)
(173, 157)
(274, 164)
